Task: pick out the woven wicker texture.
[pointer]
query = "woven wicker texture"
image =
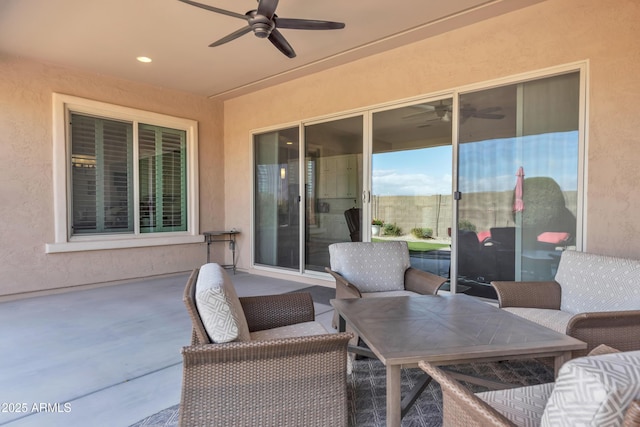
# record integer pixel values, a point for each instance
(297, 381)
(632, 417)
(618, 329)
(461, 407)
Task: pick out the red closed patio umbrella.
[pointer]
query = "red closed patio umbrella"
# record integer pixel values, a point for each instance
(518, 205)
(518, 208)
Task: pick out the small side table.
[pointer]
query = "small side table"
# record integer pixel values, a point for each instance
(222, 236)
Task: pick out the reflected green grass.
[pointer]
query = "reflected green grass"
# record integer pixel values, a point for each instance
(419, 246)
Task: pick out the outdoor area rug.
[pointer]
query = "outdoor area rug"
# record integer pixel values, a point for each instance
(366, 392)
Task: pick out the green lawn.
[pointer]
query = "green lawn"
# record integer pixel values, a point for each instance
(419, 246)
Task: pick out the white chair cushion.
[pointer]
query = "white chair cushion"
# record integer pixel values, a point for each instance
(593, 283)
(219, 307)
(523, 406)
(594, 391)
(371, 266)
(297, 330)
(552, 319)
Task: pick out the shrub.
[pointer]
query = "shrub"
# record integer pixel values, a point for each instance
(422, 233)
(392, 230)
(465, 224)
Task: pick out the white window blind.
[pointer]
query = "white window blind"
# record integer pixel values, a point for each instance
(101, 160)
(163, 186)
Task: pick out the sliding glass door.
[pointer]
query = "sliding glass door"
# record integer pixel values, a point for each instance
(483, 184)
(333, 187)
(276, 199)
(518, 177)
(411, 181)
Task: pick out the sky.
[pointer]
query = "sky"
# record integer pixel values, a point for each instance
(489, 165)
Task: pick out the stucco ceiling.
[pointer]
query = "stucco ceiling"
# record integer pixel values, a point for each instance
(106, 36)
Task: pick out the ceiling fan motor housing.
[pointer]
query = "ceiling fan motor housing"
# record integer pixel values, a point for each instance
(261, 25)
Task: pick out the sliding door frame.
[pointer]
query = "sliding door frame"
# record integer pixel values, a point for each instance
(582, 67)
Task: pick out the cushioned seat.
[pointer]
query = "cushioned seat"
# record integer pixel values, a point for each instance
(594, 298)
(599, 390)
(260, 360)
(553, 319)
(298, 330)
(523, 406)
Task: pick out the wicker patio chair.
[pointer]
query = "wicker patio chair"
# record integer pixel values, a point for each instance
(291, 381)
(593, 298)
(377, 269)
(536, 405)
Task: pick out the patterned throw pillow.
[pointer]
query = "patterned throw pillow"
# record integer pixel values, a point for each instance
(219, 306)
(217, 315)
(594, 391)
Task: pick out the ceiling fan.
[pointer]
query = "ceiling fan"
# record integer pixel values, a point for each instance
(435, 113)
(442, 112)
(264, 23)
(467, 111)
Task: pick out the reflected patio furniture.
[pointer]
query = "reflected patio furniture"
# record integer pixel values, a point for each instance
(353, 217)
(475, 260)
(377, 269)
(503, 240)
(284, 370)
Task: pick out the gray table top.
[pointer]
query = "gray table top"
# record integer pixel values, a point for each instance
(447, 329)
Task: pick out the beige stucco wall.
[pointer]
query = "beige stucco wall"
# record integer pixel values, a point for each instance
(26, 209)
(606, 33)
(554, 32)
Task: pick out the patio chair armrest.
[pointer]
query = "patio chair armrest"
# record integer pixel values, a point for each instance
(460, 406)
(544, 294)
(617, 329)
(422, 282)
(289, 381)
(256, 351)
(272, 311)
(344, 288)
(632, 415)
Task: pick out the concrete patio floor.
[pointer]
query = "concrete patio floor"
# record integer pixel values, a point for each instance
(108, 356)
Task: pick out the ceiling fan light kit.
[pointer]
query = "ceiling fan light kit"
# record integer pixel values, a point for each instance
(264, 23)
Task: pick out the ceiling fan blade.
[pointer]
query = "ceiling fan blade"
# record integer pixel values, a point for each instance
(419, 115)
(425, 109)
(306, 24)
(242, 31)
(489, 110)
(267, 8)
(214, 9)
(281, 43)
(488, 116)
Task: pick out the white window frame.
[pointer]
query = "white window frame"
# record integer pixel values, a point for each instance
(63, 105)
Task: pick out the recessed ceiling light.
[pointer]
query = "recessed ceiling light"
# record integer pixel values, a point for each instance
(144, 59)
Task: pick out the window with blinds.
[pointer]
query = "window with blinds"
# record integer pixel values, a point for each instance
(101, 175)
(163, 184)
(103, 181)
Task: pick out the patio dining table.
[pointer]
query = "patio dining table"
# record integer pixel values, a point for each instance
(444, 330)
